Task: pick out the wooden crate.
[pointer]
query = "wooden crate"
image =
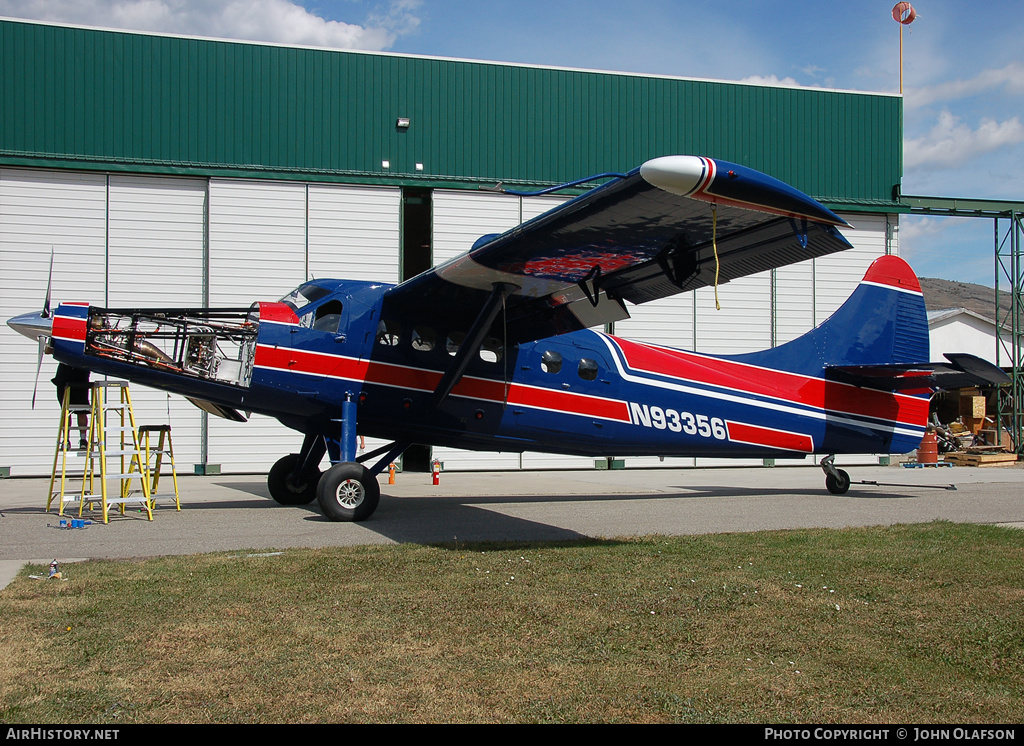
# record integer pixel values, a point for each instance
(981, 459)
(972, 406)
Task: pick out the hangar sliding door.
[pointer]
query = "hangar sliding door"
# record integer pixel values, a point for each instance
(355, 234)
(257, 253)
(459, 219)
(155, 258)
(40, 212)
(268, 237)
(531, 208)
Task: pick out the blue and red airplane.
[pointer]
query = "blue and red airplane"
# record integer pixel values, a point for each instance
(493, 349)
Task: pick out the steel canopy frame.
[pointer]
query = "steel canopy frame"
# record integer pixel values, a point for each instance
(1007, 217)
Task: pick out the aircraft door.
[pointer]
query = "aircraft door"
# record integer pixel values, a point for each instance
(321, 347)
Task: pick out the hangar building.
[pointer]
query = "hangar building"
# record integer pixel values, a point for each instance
(172, 171)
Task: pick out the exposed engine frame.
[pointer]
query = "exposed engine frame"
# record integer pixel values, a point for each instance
(210, 344)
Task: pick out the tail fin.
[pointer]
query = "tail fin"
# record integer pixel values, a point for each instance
(883, 322)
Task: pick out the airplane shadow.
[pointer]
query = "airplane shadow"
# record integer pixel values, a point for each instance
(457, 519)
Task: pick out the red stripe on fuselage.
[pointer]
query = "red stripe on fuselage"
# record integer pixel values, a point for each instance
(418, 379)
(763, 436)
(562, 401)
(69, 328)
(790, 387)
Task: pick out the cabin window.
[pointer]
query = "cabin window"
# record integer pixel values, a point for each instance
(550, 362)
(328, 317)
(587, 369)
(491, 350)
(388, 333)
(423, 339)
(454, 341)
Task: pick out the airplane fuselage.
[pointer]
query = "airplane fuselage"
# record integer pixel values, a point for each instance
(582, 393)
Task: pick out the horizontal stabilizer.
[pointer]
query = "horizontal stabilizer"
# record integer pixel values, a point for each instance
(962, 371)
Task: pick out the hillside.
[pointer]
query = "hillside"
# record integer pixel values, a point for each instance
(942, 294)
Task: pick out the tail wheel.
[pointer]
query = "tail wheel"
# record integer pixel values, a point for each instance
(348, 492)
(286, 488)
(838, 483)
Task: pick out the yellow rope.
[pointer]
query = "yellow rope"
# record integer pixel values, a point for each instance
(714, 245)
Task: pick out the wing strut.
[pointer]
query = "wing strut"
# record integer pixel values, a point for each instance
(471, 344)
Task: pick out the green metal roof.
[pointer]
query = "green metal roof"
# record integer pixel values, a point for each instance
(94, 99)
(960, 207)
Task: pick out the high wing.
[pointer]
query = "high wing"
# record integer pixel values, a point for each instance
(672, 225)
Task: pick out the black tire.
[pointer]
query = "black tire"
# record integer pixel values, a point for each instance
(837, 485)
(348, 492)
(283, 486)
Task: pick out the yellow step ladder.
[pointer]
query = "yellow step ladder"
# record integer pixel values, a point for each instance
(154, 459)
(71, 451)
(113, 442)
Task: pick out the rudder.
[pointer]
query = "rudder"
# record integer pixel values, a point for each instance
(884, 321)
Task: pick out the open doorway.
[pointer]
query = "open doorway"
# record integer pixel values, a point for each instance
(417, 252)
(417, 257)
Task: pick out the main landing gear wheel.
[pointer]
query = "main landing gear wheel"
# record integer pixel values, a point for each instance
(348, 492)
(285, 488)
(837, 483)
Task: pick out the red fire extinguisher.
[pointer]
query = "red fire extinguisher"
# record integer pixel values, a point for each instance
(436, 469)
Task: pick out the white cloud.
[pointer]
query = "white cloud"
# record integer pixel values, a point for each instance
(916, 228)
(769, 80)
(950, 143)
(1009, 78)
(278, 21)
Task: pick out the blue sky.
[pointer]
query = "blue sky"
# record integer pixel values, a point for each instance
(963, 68)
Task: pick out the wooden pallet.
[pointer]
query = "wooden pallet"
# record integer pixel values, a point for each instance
(981, 459)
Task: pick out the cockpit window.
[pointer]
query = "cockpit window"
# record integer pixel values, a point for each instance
(303, 295)
(328, 317)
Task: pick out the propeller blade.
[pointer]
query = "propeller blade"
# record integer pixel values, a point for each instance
(49, 284)
(39, 365)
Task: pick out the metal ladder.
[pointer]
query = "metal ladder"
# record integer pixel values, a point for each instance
(154, 459)
(112, 435)
(68, 435)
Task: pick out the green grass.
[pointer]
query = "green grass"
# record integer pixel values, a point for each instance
(901, 624)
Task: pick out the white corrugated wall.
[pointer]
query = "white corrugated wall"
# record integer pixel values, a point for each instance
(268, 237)
(40, 211)
(155, 257)
(134, 241)
(459, 219)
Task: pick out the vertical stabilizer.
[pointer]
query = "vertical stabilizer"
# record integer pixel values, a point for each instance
(883, 322)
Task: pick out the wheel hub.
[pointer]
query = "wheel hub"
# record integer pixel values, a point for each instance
(350, 494)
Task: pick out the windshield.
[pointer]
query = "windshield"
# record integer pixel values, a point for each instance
(303, 295)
